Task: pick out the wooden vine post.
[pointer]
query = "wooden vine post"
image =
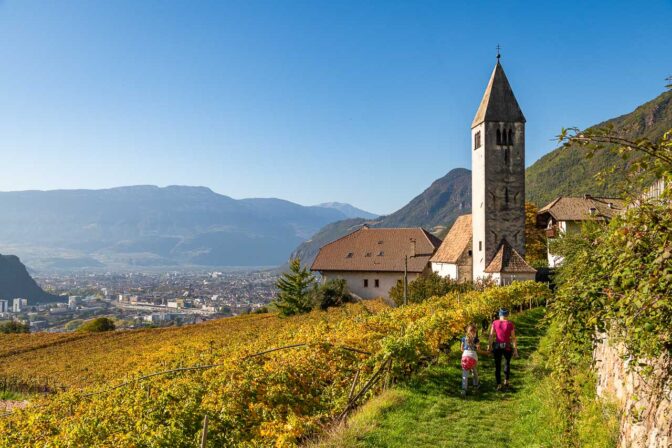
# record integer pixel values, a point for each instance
(204, 433)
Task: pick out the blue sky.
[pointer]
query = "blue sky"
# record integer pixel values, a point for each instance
(363, 102)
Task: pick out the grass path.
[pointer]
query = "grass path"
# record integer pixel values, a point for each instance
(429, 411)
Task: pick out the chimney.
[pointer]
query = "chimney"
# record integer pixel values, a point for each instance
(412, 247)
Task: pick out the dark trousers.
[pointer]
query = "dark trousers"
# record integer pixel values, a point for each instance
(499, 352)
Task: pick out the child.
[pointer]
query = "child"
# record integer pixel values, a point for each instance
(470, 348)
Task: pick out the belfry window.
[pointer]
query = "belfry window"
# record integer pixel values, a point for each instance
(510, 142)
(477, 140)
(499, 137)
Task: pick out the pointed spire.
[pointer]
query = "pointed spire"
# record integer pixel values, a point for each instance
(498, 103)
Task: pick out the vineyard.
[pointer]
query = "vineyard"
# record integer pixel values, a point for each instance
(261, 380)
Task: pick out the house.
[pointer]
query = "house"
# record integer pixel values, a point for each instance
(565, 215)
(454, 257)
(372, 260)
(492, 238)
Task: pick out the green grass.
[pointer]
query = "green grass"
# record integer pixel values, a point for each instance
(15, 396)
(430, 412)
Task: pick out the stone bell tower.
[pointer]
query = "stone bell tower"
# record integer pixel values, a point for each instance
(498, 178)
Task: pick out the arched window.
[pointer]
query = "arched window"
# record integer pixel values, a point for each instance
(510, 136)
(499, 137)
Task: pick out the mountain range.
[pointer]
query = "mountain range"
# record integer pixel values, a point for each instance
(144, 227)
(148, 226)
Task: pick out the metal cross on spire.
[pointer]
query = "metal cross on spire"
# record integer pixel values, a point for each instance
(498, 55)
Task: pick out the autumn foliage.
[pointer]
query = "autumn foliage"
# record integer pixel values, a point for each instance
(274, 399)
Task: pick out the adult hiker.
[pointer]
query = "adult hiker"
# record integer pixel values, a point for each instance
(503, 344)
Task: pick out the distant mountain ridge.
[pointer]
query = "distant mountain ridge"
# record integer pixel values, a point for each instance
(16, 282)
(147, 227)
(348, 210)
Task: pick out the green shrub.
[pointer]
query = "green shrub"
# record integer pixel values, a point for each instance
(332, 293)
(97, 325)
(425, 286)
(14, 327)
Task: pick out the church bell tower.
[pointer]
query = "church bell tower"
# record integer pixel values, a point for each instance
(498, 176)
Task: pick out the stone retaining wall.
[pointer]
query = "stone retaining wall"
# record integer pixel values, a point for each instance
(646, 401)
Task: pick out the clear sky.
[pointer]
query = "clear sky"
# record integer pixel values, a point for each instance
(363, 102)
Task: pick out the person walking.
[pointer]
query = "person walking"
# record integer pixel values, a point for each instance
(503, 344)
(470, 346)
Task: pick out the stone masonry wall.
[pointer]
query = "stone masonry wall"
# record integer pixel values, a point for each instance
(646, 401)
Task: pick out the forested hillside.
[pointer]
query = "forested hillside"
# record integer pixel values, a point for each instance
(566, 171)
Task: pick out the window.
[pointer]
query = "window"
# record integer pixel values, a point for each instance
(366, 282)
(477, 140)
(470, 253)
(349, 255)
(376, 283)
(507, 156)
(480, 245)
(506, 195)
(381, 253)
(510, 139)
(499, 137)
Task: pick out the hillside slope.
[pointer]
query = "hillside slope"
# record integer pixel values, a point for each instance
(434, 209)
(148, 226)
(261, 380)
(15, 281)
(565, 171)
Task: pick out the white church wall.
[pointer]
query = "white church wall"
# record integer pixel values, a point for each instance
(478, 200)
(355, 282)
(447, 270)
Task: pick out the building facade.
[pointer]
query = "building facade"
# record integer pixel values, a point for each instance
(373, 260)
(565, 215)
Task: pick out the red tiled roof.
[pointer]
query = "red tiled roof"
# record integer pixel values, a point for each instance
(508, 260)
(456, 242)
(579, 208)
(375, 249)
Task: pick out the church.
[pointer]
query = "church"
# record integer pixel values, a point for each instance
(490, 242)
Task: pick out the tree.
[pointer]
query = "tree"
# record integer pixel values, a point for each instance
(97, 325)
(294, 290)
(425, 286)
(535, 240)
(14, 327)
(332, 293)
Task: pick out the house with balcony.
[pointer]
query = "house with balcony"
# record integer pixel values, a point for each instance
(566, 215)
